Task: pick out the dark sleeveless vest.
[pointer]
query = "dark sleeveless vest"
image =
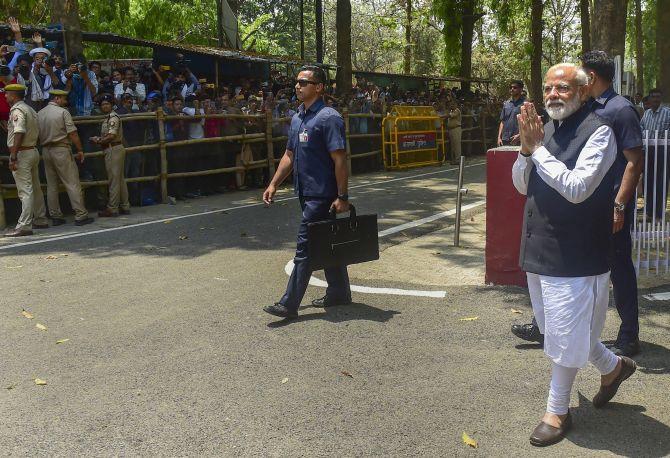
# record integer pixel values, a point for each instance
(559, 238)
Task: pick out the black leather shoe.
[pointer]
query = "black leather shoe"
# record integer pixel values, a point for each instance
(626, 348)
(57, 221)
(84, 222)
(528, 332)
(606, 393)
(124, 212)
(327, 301)
(545, 434)
(40, 226)
(278, 309)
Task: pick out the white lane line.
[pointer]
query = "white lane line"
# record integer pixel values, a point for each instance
(658, 296)
(288, 268)
(370, 290)
(209, 212)
(429, 219)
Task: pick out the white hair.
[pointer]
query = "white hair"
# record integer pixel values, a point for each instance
(581, 78)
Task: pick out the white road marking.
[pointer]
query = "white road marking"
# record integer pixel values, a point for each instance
(210, 212)
(658, 296)
(429, 219)
(288, 268)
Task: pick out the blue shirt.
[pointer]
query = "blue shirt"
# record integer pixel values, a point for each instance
(624, 119)
(508, 118)
(313, 135)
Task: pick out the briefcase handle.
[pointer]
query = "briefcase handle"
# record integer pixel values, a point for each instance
(353, 222)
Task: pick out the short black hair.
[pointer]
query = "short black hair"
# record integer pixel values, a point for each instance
(317, 72)
(599, 63)
(517, 83)
(94, 62)
(655, 91)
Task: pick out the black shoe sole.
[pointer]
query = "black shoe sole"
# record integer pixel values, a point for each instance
(84, 222)
(336, 304)
(538, 340)
(57, 222)
(288, 316)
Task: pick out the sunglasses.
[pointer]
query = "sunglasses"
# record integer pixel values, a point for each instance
(304, 83)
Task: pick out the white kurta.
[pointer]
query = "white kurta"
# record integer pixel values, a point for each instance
(570, 311)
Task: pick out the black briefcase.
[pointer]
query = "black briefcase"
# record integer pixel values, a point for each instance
(342, 241)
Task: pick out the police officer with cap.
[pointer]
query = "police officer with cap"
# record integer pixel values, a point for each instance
(57, 131)
(22, 133)
(111, 141)
(316, 155)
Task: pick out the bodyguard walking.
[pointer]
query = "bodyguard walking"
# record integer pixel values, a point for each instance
(315, 153)
(57, 131)
(22, 133)
(111, 140)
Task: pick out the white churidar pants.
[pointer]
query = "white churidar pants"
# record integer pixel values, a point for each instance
(570, 312)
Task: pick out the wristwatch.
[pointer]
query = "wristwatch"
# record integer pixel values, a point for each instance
(343, 197)
(619, 207)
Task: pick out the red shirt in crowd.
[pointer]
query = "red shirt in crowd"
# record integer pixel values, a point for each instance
(213, 127)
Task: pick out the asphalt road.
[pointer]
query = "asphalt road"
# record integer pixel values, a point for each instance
(169, 352)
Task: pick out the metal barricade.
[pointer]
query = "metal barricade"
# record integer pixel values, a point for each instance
(651, 230)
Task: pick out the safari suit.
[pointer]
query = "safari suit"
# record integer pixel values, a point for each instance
(55, 124)
(115, 155)
(23, 119)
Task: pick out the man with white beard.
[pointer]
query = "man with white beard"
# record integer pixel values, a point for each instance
(565, 170)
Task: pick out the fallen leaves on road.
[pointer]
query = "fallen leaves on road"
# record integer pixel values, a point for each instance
(39, 381)
(41, 327)
(516, 311)
(467, 440)
(284, 380)
(11, 387)
(13, 267)
(60, 341)
(347, 374)
(167, 221)
(183, 237)
(243, 234)
(220, 279)
(469, 318)
(27, 314)
(51, 256)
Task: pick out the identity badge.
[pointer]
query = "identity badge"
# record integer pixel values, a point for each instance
(303, 136)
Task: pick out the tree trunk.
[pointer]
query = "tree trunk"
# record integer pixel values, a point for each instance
(663, 47)
(639, 47)
(609, 31)
(343, 20)
(318, 12)
(467, 35)
(586, 25)
(536, 53)
(66, 12)
(407, 61)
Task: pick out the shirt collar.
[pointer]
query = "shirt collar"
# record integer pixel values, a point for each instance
(316, 106)
(605, 96)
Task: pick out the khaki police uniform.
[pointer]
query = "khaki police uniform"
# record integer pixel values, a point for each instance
(55, 123)
(23, 119)
(455, 132)
(115, 156)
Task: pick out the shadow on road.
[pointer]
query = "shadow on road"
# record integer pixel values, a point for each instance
(356, 311)
(621, 429)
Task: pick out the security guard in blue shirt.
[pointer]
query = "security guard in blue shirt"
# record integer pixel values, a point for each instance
(316, 155)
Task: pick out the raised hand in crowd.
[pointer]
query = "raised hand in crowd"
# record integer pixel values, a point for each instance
(15, 27)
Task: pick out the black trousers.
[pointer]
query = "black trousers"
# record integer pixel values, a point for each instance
(624, 280)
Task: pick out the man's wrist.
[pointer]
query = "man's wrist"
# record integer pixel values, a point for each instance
(343, 197)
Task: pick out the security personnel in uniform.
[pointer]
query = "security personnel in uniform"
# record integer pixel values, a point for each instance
(315, 153)
(111, 140)
(22, 133)
(57, 131)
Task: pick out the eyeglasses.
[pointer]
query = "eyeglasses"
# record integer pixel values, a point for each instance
(304, 83)
(560, 88)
